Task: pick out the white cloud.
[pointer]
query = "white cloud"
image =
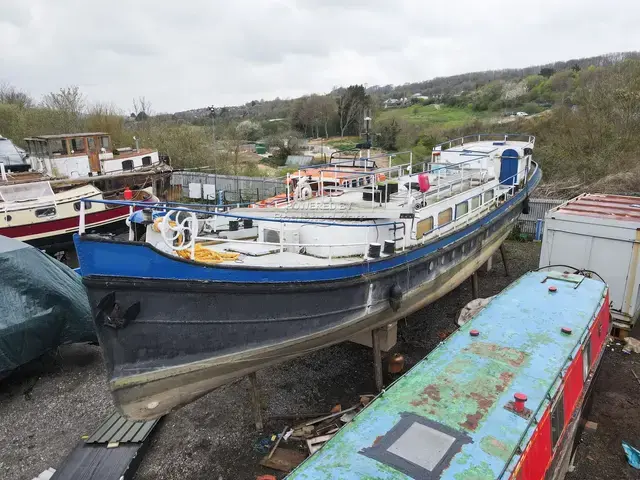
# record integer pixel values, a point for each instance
(193, 53)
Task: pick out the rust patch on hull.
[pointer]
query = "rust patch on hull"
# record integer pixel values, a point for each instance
(472, 420)
(512, 356)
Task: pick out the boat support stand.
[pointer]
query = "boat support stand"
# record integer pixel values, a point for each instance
(255, 401)
(474, 276)
(377, 358)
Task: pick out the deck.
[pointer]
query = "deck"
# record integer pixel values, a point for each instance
(446, 418)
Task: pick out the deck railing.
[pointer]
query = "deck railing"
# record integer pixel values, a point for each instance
(189, 224)
(187, 228)
(487, 137)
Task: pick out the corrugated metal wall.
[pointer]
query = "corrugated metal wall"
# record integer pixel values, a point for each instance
(537, 208)
(237, 188)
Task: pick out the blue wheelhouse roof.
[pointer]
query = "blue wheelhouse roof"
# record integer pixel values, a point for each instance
(446, 417)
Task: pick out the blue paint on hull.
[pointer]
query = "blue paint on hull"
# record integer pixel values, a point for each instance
(122, 259)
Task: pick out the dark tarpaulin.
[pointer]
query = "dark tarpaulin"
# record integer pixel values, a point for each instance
(43, 305)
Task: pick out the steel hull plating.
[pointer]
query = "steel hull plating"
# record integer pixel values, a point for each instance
(193, 336)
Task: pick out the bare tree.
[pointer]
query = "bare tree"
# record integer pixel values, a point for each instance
(351, 104)
(141, 108)
(69, 102)
(11, 95)
(327, 111)
(68, 99)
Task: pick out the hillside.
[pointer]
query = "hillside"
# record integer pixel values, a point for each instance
(439, 87)
(585, 114)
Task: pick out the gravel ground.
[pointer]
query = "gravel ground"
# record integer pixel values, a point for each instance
(214, 437)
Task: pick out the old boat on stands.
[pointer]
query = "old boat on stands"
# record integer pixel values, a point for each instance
(41, 206)
(210, 296)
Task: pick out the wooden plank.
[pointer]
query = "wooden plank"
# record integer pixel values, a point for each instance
(504, 260)
(255, 401)
(284, 460)
(377, 359)
(474, 285)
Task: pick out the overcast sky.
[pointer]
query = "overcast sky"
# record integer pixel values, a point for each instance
(192, 53)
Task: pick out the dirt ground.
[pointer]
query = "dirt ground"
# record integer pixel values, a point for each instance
(46, 407)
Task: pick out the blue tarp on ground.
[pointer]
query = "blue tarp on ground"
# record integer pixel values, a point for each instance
(43, 305)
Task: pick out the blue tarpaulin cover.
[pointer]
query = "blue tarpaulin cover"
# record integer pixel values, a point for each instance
(43, 305)
(633, 455)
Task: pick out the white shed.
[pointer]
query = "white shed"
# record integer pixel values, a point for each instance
(600, 233)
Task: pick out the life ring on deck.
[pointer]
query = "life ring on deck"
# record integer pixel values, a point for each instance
(306, 193)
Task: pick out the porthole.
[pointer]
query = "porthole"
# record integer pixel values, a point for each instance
(8, 218)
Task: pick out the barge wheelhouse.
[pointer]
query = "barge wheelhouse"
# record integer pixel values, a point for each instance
(41, 206)
(209, 295)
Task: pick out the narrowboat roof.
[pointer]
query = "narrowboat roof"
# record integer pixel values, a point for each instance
(446, 417)
(609, 207)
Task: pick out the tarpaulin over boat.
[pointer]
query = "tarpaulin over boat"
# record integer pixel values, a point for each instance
(43, 304)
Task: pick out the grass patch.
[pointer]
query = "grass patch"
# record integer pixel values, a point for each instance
(431, 115)
(343, 143)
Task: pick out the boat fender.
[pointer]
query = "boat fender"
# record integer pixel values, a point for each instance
(395, 297)
(525, 206)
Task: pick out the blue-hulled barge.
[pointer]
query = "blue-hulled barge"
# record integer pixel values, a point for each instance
(348, 249)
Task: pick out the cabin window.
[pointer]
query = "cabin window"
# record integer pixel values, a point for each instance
(104, 142)
(45, 212)
(557, 420)
(127, 165)
(475, 202)
(8, 218)
(424, 226)
(77, 145)
(488, 195)
(76, 206)
(462, 209)
(444, 217)
(92, 144)
(58, 147)
(586, 360)
(146, 161)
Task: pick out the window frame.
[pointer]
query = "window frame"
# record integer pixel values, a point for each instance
(464, 203)
(450, 214)
(477, 198)
(128, 162)
(557, 420)
(87, 206)
(586, 359)
(40, 212)
(421, 232)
